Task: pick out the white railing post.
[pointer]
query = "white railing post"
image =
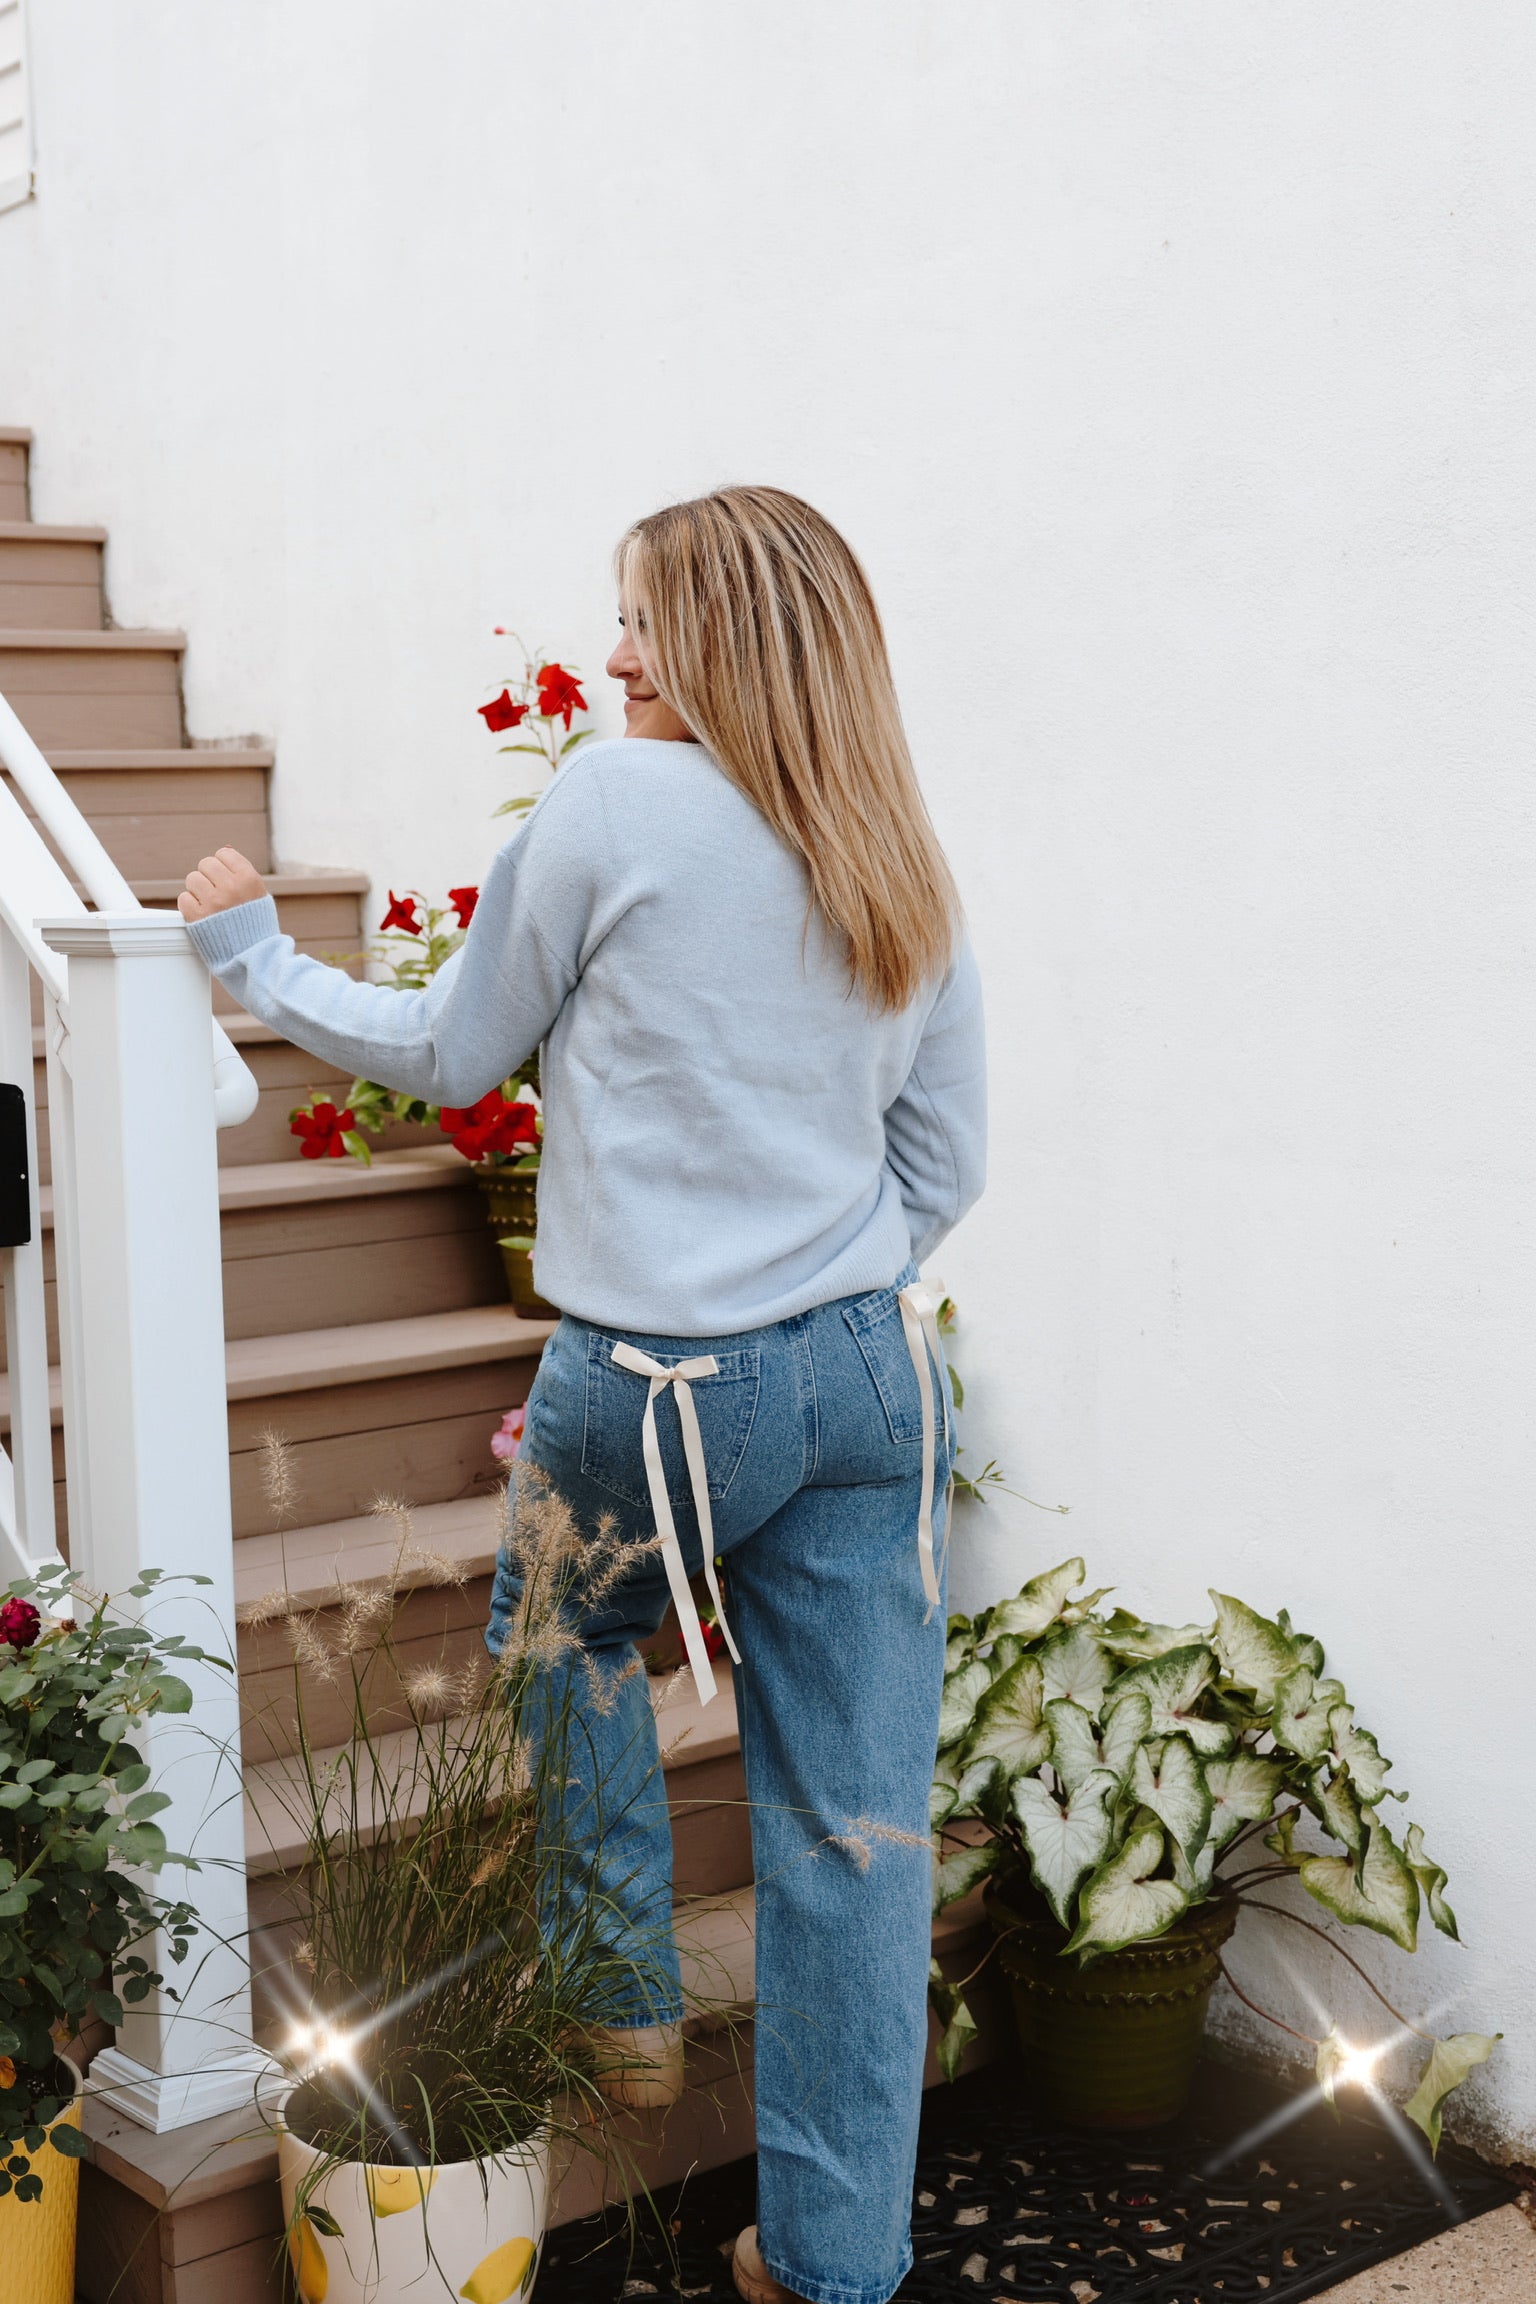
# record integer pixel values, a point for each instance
(140, 1301)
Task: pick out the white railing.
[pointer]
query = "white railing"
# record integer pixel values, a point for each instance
(136, 1090)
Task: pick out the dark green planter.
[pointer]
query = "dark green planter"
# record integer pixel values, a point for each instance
(1112, 2045)
(511, 1210)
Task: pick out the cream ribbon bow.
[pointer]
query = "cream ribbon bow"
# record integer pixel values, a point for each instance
(920, 1322)
(640, 1364)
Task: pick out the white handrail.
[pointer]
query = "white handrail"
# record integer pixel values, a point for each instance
(32, 886)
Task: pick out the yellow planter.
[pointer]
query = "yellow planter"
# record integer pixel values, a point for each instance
(37, 2237)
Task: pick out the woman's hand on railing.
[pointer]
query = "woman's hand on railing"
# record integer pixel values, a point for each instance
(219, 883)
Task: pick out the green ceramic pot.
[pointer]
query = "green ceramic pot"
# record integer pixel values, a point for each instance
(1112, 2045)
(511, 1211)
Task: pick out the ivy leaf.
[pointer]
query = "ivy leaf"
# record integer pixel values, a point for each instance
(1355, 1749)
(1253, 1651)
(1010, 1720)
(1169, 1780)
(1122, 1904)
(1077, 1750)
(1383, 1894)
(1448, 2065)
(1065, 1839)
(1075, 1668)
(1037, 1607)
(1431, 1879)
(963, 1690)
(957, 2026)
(1302, 1705)
(956, 1875)
(1243, 1791)
(1174, 1684)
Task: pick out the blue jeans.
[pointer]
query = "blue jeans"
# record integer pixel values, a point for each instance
(812, 1432)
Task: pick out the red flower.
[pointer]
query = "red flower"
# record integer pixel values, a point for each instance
(401, 914)
(20, 1623)
(492, 1125)
(464, 901)
(502, 712)
(559, 693)
(714, 1639)
(322, 1128)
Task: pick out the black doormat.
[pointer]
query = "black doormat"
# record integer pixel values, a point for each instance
(1242, 2199)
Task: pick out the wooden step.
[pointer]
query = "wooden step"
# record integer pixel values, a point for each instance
(157, 811)
(15, 450)
(386, 1408)
(81, 689)
(285, 1074)
(306, 1241)
(50, 578)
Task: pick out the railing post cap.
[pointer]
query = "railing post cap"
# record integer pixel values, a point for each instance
(116, 935)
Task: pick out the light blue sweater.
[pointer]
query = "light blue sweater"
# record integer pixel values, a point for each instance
(731, 1135)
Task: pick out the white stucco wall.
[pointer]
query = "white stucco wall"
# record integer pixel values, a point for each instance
(1173, 367)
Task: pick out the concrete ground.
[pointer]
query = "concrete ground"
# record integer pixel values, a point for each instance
(1491, 2260)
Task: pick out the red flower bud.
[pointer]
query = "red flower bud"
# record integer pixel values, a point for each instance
(501, 712)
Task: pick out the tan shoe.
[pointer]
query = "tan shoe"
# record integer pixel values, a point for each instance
(752, 2276)
(642, 2069)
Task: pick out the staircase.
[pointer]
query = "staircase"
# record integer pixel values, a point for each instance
(367, 1323)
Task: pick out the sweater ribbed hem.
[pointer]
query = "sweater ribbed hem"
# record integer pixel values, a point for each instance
(223, 936)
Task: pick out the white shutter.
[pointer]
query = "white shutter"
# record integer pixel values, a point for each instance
(15, 121)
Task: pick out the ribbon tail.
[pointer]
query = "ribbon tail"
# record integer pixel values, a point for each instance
(698, 1474)
(672, 1556)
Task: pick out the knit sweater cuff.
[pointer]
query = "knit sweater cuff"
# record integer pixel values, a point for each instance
(223, 936)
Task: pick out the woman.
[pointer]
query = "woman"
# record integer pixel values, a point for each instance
(738, 942)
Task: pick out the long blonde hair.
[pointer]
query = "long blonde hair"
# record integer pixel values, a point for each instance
(757, 625)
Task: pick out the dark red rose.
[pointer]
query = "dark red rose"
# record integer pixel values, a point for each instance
(322, 1127)
(502, 712)
(559, 693)
(401, 914)
(464, 901)
(20, 1623)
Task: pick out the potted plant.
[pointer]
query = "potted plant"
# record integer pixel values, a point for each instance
(500, 1135)
(77, 1843)
(1125, 1789)
(457, 1962)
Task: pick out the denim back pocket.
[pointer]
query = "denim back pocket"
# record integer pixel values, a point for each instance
(612, 1448)
(878, 1332)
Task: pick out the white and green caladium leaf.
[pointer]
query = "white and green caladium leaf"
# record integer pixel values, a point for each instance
(1173, 1685)
(1195, 1878)
(1084, 1604)
(1243, 1791)
(1283, 1838)
(1431, 1879)
(963, 1691)
(1357, 1750)
(1037, 1607)
(1122, 1904)
(1302, 1705)
(1168, 1779)
(1253, 1651)
(1379, 1893)
(1010, 1723)
(1126, 1635)
(1333, 1801)
(1310, 1651)
(1076, 1669)
(957, 1874)
(1077, 1750)
(943, 1792)
(1065, 1838)
(1449, 2063)
(957, 2026)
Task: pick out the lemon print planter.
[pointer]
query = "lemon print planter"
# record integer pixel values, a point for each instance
(366, 2234)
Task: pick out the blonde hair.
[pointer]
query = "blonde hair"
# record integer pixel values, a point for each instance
(757, 625)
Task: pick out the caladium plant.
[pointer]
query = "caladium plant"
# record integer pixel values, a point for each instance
(1129, 1770)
